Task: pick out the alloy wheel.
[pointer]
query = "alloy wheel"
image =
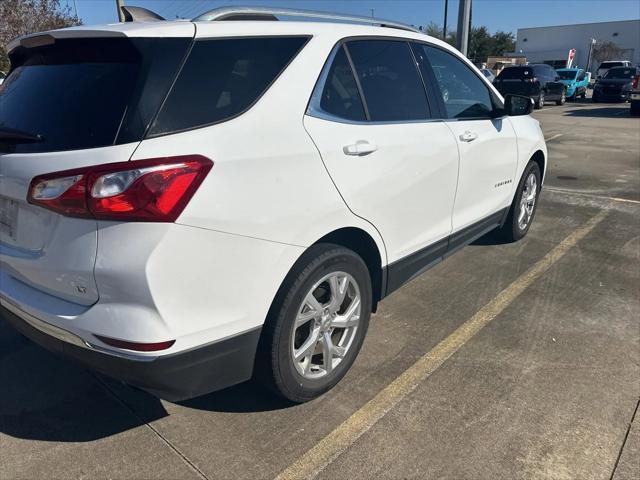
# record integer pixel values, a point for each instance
(527, 201)
(325, 325)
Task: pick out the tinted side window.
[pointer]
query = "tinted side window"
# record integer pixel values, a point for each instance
(391, 84)
(340, 96)
(82, 93)
(463, 93)
(222, 78)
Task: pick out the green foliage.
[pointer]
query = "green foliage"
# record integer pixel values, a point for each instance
(481, 42)
(20, 17)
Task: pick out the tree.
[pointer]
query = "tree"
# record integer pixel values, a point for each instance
(433, 30)
(481, 43)
(606, 50)
(19, 17)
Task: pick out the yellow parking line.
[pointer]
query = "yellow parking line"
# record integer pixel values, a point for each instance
(553, 137)
(335, 443)
(590, 195)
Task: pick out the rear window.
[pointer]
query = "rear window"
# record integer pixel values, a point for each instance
(567, 74)
(620, 73)
(515, 73)
(87, 93)
(222, 78)
(612, 64)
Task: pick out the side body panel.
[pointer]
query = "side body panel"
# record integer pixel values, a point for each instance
(405, 188)
(487, 168)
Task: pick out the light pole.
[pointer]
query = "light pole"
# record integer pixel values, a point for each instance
(591, 45)
(444, 29)
(464, 17)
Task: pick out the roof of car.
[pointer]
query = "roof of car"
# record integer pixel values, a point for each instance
(185, 28)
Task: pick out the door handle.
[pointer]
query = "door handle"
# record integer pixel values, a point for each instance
(468, 136)
(361, 147)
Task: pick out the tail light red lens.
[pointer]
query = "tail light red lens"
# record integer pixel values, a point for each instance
(636, 81)
(155, 190)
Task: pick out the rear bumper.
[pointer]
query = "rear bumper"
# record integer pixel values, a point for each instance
(613, 96)
(174, 377)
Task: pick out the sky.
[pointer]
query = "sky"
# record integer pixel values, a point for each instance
(506, 15)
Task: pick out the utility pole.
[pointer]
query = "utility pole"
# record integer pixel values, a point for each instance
(444, 29)
(120, 3)
(592, 43)
(464, 16)
(372, 12)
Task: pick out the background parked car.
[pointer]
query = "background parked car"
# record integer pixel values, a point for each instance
(576, 81)
(489, 74)
(635, 95)
(540, 82)
(605, 66)
(615, 86)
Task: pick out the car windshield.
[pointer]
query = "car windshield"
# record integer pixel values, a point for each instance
(515, 73)
(611, 64)
(567, 74)
(620, 73)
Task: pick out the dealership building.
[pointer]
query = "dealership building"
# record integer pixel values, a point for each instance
(552, 44)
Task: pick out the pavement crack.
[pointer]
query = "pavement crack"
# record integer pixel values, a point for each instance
(162, 438)
(624, 442)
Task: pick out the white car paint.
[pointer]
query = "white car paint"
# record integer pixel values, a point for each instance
(280, 182)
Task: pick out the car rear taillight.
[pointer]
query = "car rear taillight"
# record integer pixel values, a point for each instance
(636, 81)
(154, 190)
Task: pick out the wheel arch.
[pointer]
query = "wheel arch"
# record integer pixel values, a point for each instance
(539, 157)
(365, 246)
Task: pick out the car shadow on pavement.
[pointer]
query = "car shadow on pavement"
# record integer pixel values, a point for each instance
(492, 238)
(243, 398)
(47, 397)
(621, 110)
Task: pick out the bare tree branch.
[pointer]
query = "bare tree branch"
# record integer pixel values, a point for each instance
(20, 17)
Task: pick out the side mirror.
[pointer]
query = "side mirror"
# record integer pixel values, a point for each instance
(516, 105)
(557, 79)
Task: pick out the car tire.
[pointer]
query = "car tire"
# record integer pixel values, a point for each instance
(634, 109)
(583, 95)
(303, 321)
(595, 98)
(539, 103)
(525, 200)
(562, 99)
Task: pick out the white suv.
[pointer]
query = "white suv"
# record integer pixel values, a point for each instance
(185, 205)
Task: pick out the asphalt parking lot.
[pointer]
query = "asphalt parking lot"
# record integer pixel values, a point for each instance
(504, 361)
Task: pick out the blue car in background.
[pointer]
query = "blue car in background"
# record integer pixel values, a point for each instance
(576, 80)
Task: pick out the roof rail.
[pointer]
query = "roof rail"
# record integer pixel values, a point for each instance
(269, 13)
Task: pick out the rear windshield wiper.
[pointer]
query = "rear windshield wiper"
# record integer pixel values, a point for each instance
(11, 135)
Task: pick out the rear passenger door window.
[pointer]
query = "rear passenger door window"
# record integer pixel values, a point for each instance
(340, 95)
(389, 79)
(463, 93)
